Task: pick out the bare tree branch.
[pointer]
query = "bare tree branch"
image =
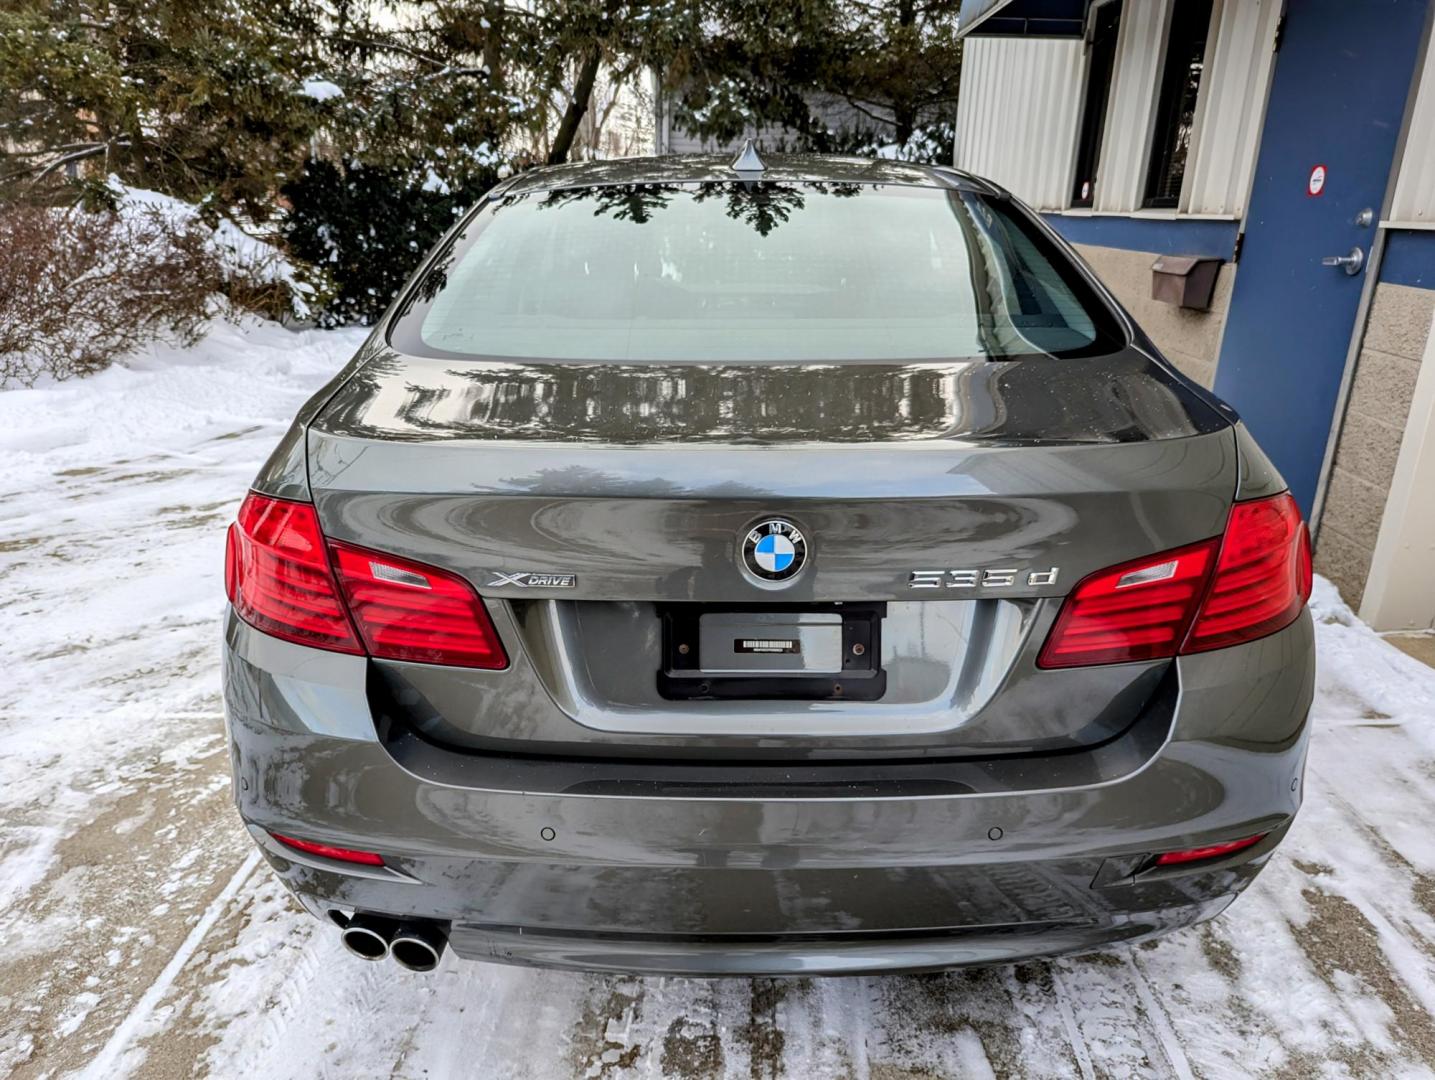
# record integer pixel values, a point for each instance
(43, 169)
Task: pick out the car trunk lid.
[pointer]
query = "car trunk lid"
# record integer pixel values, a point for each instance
(579, 499)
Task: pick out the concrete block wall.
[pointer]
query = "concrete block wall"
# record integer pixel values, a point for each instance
(1389, 361)
(1189, 339)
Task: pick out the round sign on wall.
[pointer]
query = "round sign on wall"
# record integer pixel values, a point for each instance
(1316, 184)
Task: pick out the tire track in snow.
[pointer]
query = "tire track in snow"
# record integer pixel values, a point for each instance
(1408, 951)
(1068, 1021)
(105, 1063)
(1120, 1036)
(1160, 1023)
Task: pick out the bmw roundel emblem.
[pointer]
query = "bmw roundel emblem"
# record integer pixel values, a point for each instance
(774, 550)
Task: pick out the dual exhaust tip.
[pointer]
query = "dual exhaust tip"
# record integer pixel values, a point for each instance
(414, 944)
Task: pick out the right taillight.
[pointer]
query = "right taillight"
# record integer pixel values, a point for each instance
(1248, 583)
(1262, 576)
(285, 578)
(1140, 610)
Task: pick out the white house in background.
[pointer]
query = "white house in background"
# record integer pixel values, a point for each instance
(1287, 151)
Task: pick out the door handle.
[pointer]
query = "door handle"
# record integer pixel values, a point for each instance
(1352, 262)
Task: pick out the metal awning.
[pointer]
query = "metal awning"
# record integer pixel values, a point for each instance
(1022, 18)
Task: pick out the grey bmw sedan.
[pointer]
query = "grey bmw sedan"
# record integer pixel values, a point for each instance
(791, 566)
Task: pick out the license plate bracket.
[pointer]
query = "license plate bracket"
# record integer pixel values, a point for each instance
(812, 652)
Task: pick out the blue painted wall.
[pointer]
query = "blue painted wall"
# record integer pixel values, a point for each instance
(1409, 258)
(1163, 236)
(1409, 253)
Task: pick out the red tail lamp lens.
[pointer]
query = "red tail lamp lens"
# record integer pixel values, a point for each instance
(231, 558)
(1213, 851)
(328, 851)
(1262, 577)
(409, 611)
(1244, 585)
(1139, 610)
(279, 579)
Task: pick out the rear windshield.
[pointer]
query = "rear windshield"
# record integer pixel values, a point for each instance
(753, 272)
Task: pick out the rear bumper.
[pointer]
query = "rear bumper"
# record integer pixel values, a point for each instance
(849, 953)
(985, 864)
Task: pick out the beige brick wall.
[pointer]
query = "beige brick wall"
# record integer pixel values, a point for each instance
(1189, 339)
(1389, 361)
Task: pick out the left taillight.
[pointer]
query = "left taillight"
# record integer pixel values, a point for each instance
(411, 611)
(278, 575)
(1245, 584)
(284, 578)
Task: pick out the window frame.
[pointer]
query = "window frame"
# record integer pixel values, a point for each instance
(1091, 132)
(1171, 88)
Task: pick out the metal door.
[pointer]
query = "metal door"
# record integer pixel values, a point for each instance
(1337, 99)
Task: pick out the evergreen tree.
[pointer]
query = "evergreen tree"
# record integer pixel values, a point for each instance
(765, 64)
(896, 62)
(197, 98)
(416, 125)
(364, 126)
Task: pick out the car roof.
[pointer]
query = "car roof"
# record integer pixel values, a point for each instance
(707, 168)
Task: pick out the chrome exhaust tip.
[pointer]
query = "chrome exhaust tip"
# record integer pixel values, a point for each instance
(418, 946)
(368, 936)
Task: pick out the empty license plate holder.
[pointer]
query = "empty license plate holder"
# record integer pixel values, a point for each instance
(754, 651)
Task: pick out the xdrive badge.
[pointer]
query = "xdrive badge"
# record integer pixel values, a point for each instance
(534, 581)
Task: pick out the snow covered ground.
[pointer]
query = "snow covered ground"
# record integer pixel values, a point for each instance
(140, 935)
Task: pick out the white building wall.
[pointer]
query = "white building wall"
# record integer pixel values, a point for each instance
(1231, 107)
(1414, 201)
(1020, 111)
(1017, 115)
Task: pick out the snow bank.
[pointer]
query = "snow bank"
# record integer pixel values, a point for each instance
(238, 251)
(253, 372)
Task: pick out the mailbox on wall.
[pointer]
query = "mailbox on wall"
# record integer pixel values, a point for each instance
(1185, 280)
